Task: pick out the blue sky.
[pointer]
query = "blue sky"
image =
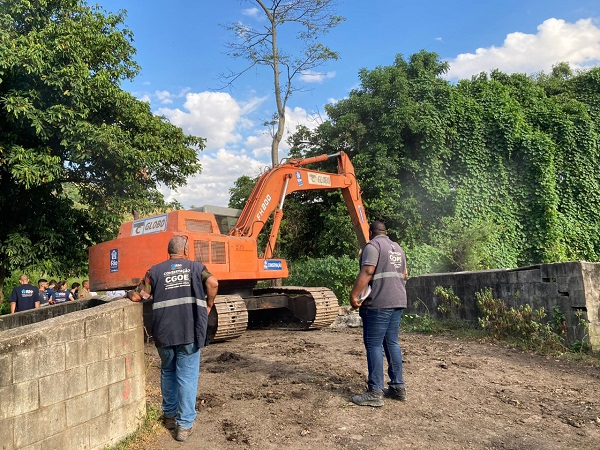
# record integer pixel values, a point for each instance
(181, 49)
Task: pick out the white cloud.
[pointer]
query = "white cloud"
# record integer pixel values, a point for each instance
(215, 116)
(166, 97)
(260, 144)
(260, 141)
(555, 41)
(310, 76)
(235, 157)
(250, 12)
(219, 172)
(211, 115)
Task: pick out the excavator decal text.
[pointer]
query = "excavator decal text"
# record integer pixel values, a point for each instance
(151, 225)
(263, 206)
(272, 264)
(319, 179)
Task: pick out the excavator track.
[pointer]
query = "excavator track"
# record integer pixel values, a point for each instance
(312, 307)
(228, 318)
(327, 307)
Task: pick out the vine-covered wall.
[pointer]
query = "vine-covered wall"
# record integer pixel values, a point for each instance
(499, 171)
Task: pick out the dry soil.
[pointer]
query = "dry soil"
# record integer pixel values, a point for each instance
(276, 389)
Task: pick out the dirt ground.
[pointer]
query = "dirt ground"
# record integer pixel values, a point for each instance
(277, 389)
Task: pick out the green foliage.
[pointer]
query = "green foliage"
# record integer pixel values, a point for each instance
(524, 324)
(12, 281)
(417, 323)
(582, 345)
(425, 323)
(337, 274)
(448, 303)
(5, 306)
(463, 247)
(558, 322)
(423, 259)
(498, 171)
(76, 151)
(240, 192)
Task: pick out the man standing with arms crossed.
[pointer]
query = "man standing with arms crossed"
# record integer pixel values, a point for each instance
(183, 293)
(383, 269)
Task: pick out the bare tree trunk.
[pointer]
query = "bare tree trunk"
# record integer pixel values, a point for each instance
(277, 139)
(278, 100)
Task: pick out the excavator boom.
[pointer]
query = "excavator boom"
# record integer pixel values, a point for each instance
(269, 193)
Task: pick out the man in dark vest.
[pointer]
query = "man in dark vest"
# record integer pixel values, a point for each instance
(381, 280)
(183, 293)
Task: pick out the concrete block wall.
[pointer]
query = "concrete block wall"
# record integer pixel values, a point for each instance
(573, 287)
(76, 381)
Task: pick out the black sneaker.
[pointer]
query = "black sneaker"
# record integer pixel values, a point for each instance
(169, 422)
(369, 398)
(397, 393)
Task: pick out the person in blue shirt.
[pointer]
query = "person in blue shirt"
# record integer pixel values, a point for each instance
(51, 288)
(43, 288)
(61, 295)
(24, 297)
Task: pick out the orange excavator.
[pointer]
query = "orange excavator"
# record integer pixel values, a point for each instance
(234, 258)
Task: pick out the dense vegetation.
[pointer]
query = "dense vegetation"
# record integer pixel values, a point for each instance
(496, 171)
(76, 151)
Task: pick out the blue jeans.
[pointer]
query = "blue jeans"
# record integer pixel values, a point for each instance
(380, 329)
(179, 372)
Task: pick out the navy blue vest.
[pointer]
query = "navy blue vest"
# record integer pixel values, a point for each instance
(179, 306)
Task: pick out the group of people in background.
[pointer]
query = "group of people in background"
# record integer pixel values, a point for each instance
(27, 296)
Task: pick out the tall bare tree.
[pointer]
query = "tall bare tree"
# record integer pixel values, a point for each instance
(260, 46)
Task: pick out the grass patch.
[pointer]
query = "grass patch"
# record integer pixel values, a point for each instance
(522, 328)
(147, 430)
(415, 323)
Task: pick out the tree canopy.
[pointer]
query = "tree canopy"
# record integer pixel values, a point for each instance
(496, 171)
(76, 151)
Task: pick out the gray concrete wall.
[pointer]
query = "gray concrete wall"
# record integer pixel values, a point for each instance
(8, 321)
(571, 286)
(76, 381)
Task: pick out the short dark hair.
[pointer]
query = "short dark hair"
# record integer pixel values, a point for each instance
(377, 227)
(42, 280)
(75, 285)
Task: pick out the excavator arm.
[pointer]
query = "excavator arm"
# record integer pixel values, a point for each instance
(268, 196)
